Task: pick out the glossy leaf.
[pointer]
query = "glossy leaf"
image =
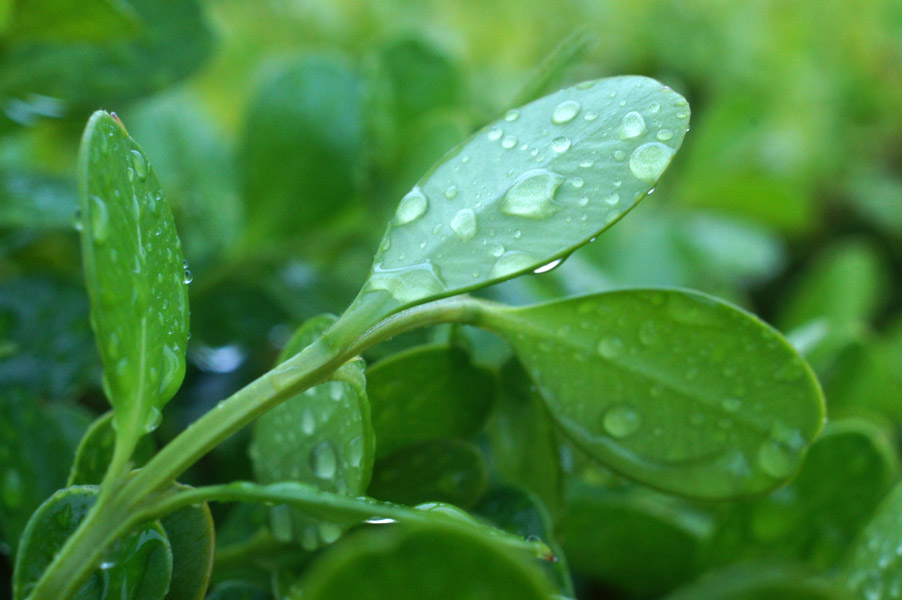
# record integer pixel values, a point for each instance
(873, 568)
(422, 563)
(638, 525)
(190, 534)
(35, 449)
(761, 582)
(671, 388)
(522, 435)
(135, 276)
(815, 518)
(526, 190)
(95, 452)
(73, 20)
(322, 437)
(427, 393)
(137, 567)
(302, 146)
(173, 40)
(451, 471)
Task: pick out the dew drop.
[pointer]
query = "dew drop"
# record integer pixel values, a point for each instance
(512, 115)
(140, 164)
(153, 420)
(509, 142)
(512, 262)
(610, 347)
(412, 207)
(619, 155)
(590, 116)
(633, 125)
(565, 112)
(100, 220)
(550, 266)
(451, 192)
(776, 459)
(531, 195)
(577, 182)
(329, 532)
(649, 160)
(324, 461)
(188, 277)
(464, 224)
(731, 404)
(613, 199)
(495, 133)
(560, 144)
(308, 422)
(664, 135)
(13, 492)
(621, 421)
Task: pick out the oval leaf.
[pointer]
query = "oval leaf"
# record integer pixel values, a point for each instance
(427, 393)
(191, 536)
(422, 563)
(135, 276)
(137, 567)
(526, 190)
(95, 451)
(671, 388)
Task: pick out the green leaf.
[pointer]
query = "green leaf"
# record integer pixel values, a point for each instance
(671, 388)
(321, 437)
(73, 20)
(238, 590)
(35, 449)
(302, 147)
(137, 567)
(873, 568)
(427, 393)
(190, 534)
(95, 452)
(451, 471)
(134, 275)
(522, 441)
(421, 563)
(638, 525)
(77, 76)
(815, 518)
(760, 582)
(526, 190)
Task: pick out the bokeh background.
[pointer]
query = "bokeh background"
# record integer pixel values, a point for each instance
(286, 131)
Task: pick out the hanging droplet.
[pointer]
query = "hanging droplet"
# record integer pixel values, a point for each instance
(664, 135)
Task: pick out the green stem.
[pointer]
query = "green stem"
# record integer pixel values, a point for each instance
(315, 364)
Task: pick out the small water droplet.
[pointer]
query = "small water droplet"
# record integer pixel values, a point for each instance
(509, 142)
(565, 112)
(610, 347)
(308, 422)
(323, 460)
(413, 206)
(612, 200)
(76, 220)
(776, 459)
(154, 418)
(531, 195)
(619, 155)
(633, 125)
(648, 333)
(451, 192)
(464, 224)
(140, 164)
(100, 219)
(583, 201)
(512, 115)
(654, 107)
(495, 133)
(621, 421)
(560, 144)
(590, 116)
(517, 234)
(649, 160)
(577, 182)
(664, 135)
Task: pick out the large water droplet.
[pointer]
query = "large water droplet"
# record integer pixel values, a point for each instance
(532, 194)
(560, 144)
(565, 112)
(324, 461)
(140, 164)
(621, 421)
(649, 160)
(633, 125)
(610, 347)
(464, 224)
(408, 283)
(412, 207)
(172, 372)
(100, 219)
(512, 262)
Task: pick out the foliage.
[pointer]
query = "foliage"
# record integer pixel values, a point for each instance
(506, 406)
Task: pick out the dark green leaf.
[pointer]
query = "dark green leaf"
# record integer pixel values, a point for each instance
(526, 190)
(137, 567)
(73, 20)
(190, 534)
(173, 41)
(765, 582)
(451, 471)
(35, 450)
(873, 568)
(33, 200)
(815, 518)
(421, 563)
(134, 275)
(95, 452)
(238, 590)
(427, 393)
(302, 147)
(672, 388)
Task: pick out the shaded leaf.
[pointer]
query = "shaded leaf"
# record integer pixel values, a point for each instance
(873, 568)
(190, 534)
(30, 199)
(764, 582)
(73, 20)
(95, 452)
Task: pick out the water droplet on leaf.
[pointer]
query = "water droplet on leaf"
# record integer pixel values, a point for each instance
(464, 224)
(633, 125)
(621, 421)
(413, 206)
(565, 112)
(649, 160)
(532, 194)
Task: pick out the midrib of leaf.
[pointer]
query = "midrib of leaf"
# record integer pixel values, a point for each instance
(538, 331)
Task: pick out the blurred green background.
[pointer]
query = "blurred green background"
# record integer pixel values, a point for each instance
(285, 132)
